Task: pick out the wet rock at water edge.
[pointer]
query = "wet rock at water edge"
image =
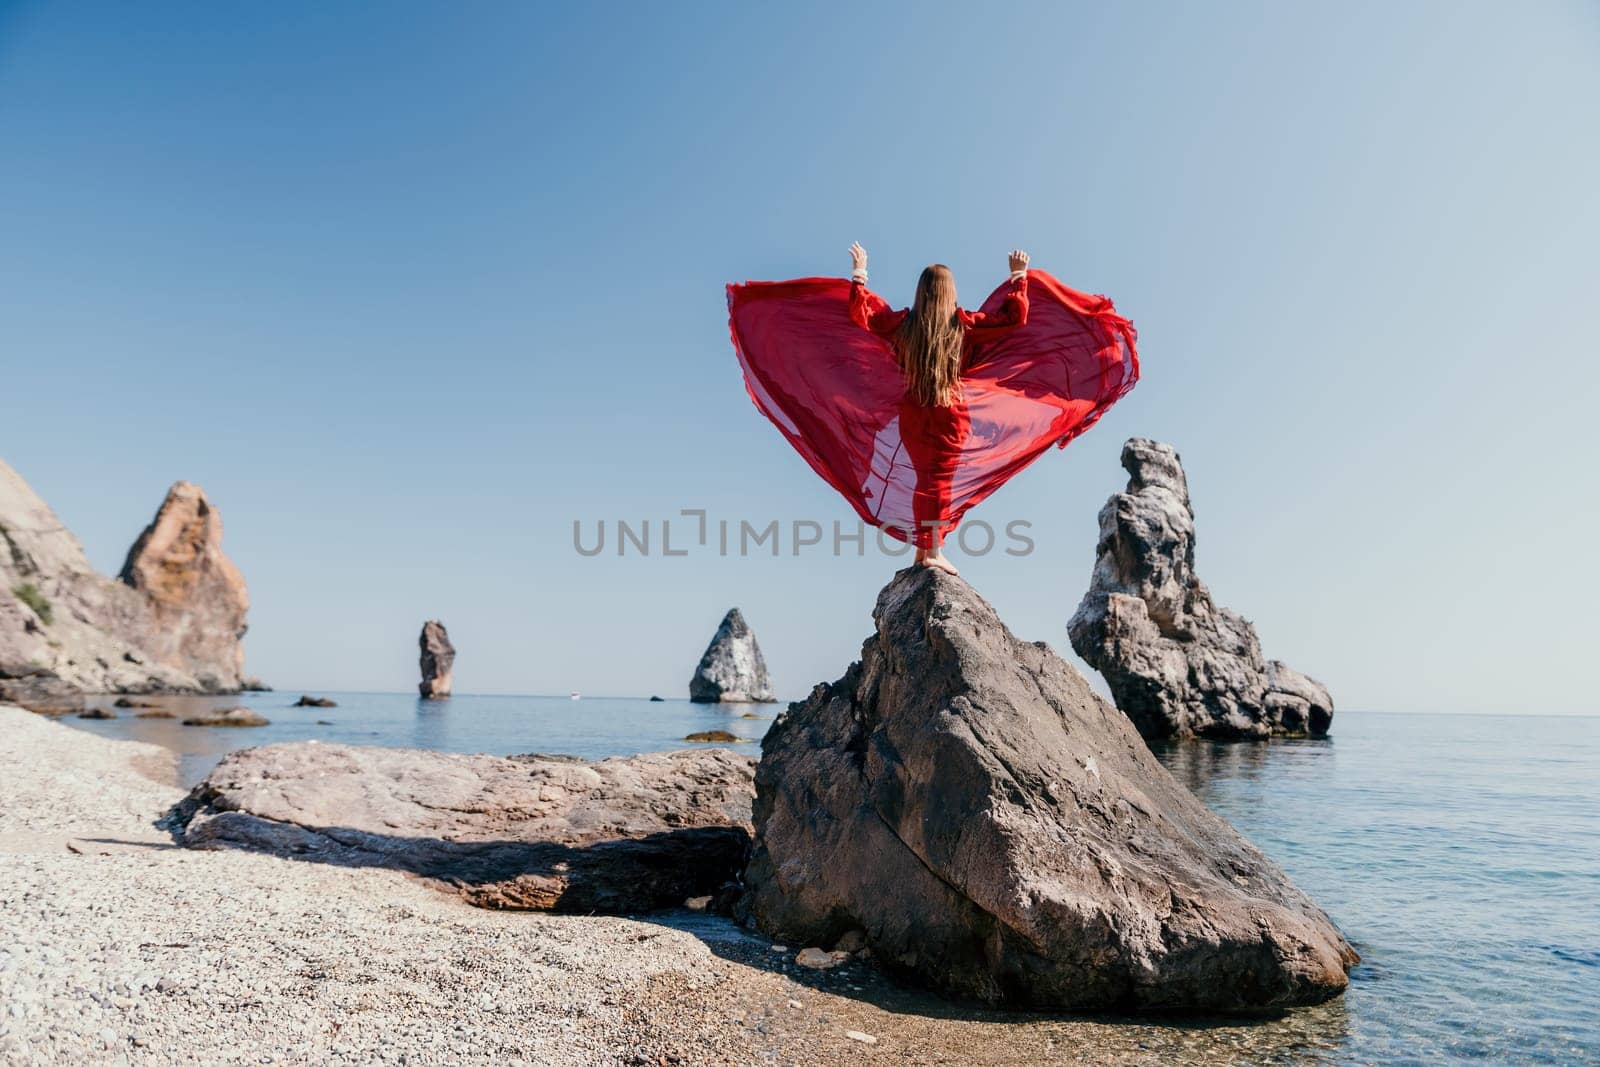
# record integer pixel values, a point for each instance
(1176, 664)
(314, 702)
(732, 669)
(715, 737)
(97, 713)
(997, 831)
(228, 717)
(438, 658)
(553, 833)
(39, 690)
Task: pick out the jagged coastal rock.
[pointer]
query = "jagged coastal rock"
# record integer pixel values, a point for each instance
(438, 657)
(196, 595)
(550, 833)
(733, 669)
(1178, 665)
(171, 624)
(999, 832)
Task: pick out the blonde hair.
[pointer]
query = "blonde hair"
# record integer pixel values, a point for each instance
(928, 343)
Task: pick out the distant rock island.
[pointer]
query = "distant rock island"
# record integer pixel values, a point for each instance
(961, 803)
(732, 669)
(172, 621)
(438, 658)
(1178, 665)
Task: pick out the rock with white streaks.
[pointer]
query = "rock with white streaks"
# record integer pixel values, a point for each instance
(732, 669)
(1176, 663)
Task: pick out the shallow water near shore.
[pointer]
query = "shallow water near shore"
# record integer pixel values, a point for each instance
(1460, 854)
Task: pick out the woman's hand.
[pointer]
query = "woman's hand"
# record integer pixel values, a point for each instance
(1019, 260)
(858, 259)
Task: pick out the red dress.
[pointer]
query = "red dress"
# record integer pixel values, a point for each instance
(1040, 364)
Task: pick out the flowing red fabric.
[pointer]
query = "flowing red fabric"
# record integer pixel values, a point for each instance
(835, 391)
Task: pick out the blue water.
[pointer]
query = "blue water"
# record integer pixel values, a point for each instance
(1460, 854)
(593, 727)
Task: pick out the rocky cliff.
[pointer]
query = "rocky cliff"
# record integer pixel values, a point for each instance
(173, 623)
(732, 669)
(1176, 663)
(964, 805)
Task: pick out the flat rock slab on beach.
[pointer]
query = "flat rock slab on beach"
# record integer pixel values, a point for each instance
(1003, 834)
(549, 833)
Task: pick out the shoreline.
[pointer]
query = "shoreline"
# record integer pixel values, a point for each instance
(118, 946)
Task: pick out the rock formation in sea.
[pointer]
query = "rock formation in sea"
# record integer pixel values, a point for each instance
(1001, 833)
(732, 670)
(438, 657)
(550, 833)
(196, 595)
(1176, 663)
(171, 624)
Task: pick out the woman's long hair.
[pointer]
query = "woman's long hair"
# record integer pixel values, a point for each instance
(929, 341)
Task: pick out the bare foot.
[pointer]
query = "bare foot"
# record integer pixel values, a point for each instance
(942, 564)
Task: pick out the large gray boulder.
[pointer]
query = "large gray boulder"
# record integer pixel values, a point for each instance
(550, 833)
(1176, 663)
(732, 669)
(173, 622)
(999, 832)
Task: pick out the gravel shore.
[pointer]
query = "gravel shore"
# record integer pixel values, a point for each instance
(118, 948)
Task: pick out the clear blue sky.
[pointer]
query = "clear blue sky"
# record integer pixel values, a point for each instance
(410, 287)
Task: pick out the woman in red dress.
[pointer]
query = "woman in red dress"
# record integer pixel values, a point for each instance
(932, 339)
(917, 416)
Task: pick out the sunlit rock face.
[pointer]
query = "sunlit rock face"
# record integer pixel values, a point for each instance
(172, 622)
(732, 669)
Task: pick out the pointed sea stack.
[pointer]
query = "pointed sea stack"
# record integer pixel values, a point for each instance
(438, 656)
(1177, 664)
(732, 670)
(196, 593)
(997, 831)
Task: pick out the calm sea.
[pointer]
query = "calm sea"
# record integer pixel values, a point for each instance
(1460, 854)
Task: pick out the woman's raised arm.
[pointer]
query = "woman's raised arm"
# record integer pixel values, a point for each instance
(868, 310)
(1013, 311)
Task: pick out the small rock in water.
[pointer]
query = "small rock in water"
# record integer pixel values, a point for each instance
(719, 737)
(817, 959)
(228, 717)
(697, 903)
(780, 948)
(97, 713)
(857, 1035)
